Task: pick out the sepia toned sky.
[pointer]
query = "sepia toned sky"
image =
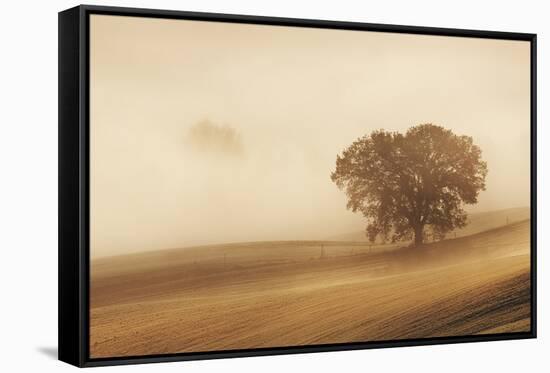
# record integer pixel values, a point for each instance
(206, 132)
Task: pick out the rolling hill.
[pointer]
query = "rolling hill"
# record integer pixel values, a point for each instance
(290, 293)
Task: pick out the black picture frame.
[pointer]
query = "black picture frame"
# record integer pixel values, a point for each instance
(74, 182)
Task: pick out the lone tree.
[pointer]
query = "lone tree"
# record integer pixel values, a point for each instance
(406, 184)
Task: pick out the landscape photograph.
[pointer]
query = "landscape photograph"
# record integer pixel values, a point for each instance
(259, 186)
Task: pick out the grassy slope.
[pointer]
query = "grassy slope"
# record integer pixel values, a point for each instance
(477, 222)
(294, 293)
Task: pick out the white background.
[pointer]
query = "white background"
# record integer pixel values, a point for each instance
(28, 185)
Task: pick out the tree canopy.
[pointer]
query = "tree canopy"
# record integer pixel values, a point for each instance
(407, 183)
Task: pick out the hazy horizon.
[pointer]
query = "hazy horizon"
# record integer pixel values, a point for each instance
(206, 132)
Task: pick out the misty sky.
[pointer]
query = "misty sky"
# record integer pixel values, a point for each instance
(206, 132)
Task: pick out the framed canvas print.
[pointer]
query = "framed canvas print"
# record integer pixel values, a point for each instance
(238, 186)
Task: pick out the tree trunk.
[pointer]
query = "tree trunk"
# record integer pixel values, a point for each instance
(418, 235)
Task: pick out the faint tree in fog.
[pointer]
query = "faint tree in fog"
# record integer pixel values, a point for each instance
(211, 138)
(404, 183)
